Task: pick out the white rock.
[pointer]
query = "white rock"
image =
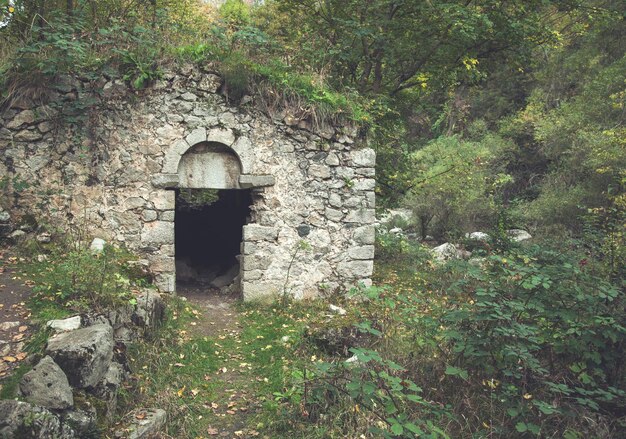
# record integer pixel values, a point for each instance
(8, 325)
(396, 231)
(68, 324)
(337, 309)
(97, 245)
(477, 236)
(353, 359)
(446, 251)
(518, 235)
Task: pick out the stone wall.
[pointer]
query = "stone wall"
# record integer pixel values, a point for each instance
(111, 171)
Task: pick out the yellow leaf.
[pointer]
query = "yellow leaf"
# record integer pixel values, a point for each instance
(527, 396)
(181, 391)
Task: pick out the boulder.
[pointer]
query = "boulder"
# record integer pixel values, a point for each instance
(150, 310)
(478, 236)
(97, 245)
(83, 354)
(445, 252)
(226, 278)
(68, 324)
(22, 420)
(46, 385)
(145, 424)
(518, 235)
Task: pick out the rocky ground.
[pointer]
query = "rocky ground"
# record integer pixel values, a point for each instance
(14, 315)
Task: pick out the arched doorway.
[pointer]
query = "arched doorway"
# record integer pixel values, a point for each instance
(211, 210)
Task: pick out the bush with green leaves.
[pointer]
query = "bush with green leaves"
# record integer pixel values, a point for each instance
(75, 278)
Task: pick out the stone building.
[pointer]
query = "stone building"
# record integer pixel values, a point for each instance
(291, 208)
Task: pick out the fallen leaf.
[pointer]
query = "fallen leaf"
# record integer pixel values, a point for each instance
(194, 392)
(181, 391)
(9, 359)
(212, 431)
(22, 328)
(21, 355)
(231, 412)
(140, 416)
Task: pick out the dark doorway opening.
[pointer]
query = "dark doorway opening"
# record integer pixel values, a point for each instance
(209, 227)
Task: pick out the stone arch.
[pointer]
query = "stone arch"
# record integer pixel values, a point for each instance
(209, 165)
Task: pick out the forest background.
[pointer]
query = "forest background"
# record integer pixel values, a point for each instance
(486, 115)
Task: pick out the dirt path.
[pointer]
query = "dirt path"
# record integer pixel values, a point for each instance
(220, 321)
(15, 290)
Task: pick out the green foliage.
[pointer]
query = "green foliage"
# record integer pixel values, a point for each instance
(235, 13)
(78, 279)
(454, 185)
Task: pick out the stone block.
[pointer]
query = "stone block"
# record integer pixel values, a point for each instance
(333, 214)
(361, 216)
(366, 184)
(23, 118)
(261, 291)
(255, 232)
(163, 200)
(165, 181)
(355, 269)
(149, 215)
(196, 136)
(68, 324)
(46, 385)
(157, 233)
(363, 158)
(250, 181)
(245, 151)
(319, 171)
(364, 234)
(84, 354)
(17, 417)
(251, 275)
(332, 159)
(365, 252)
(168, 215)
(161, 263)
(256, 262)
(165, 282)
(221, 135)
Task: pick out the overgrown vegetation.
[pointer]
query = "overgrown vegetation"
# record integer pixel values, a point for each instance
(485, 116)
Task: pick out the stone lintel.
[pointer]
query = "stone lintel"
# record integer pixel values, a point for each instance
(252, 181)
(165, 181)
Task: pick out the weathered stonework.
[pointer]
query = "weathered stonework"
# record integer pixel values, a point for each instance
(114, 174)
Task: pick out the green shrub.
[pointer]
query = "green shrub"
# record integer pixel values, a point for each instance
(78, 279)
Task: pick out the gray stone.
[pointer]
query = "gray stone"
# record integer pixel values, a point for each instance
(365, 158)
(446, 251)
(518, 235)
(335, 200)
(6, 326)
(221, 135)
(333, 214)
(337, 309)
(362, 253)
(84, 354)
(46, 385)
(150, 310)
(23, 118)
(196, 136)
(226, 278)
(319, 171)
(157, 232)
(256, 262)
(163, 200)
(168, 215)
(209, 83)
(149, 215)
(44, 238)
(303, 230)
(189, 97)
(165, 181)
(332, 159)
(22, 420)
(147, 425)
(28, 136)
(362, 216)
(82, 422)
(366, 184)
(250, 181)
(478, 236)
(355, 269)
(97, 245)
(4, 217)
(68, 324)
(255, 232)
